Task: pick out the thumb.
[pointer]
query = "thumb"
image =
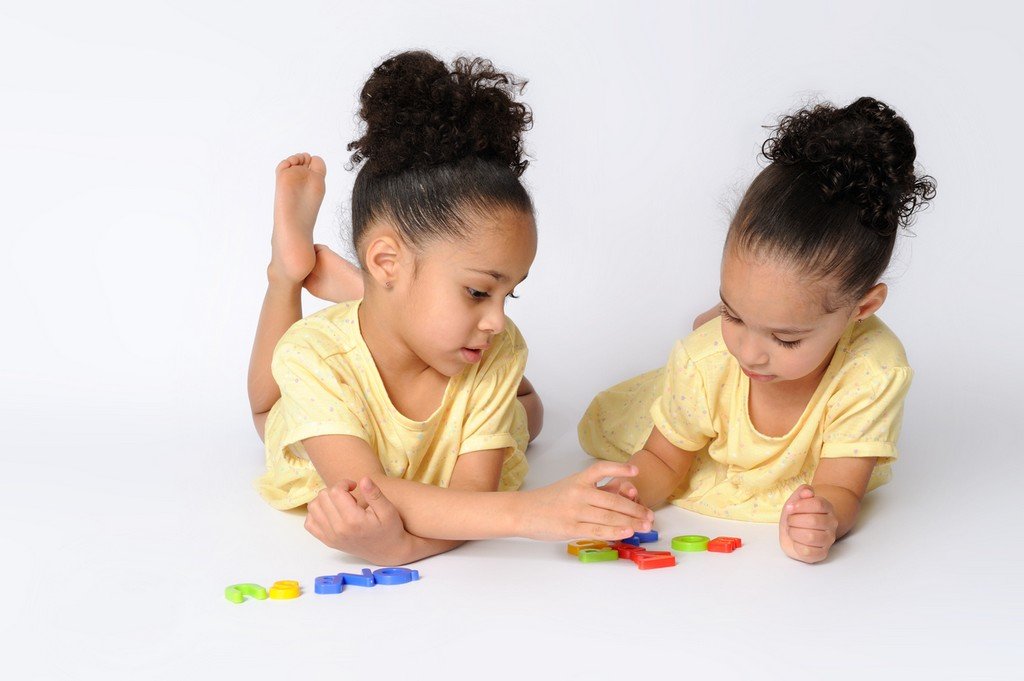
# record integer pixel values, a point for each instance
(607, 469)
(800, 493)
(376, 502)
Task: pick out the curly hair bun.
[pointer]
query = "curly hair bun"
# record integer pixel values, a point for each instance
(420, 113)
(863, 153)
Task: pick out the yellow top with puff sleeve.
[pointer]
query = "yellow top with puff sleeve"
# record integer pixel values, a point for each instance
(330, 386)
(699, 402)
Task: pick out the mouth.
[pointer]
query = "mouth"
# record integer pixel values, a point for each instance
(472, 355)
(757, 377)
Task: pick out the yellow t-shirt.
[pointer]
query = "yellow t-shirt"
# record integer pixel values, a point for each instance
(330, 386)
(699, 403)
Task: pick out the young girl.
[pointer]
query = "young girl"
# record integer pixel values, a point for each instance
(417, 389)
(785, 403)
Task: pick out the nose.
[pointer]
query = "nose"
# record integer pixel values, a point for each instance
(493, 321)
(751, 353)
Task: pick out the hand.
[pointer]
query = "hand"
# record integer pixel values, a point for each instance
(623, 488)
(575, 507)
(807, 527)
(375, 533)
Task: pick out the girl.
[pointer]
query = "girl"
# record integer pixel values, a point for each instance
(785, 402)
(412, 389)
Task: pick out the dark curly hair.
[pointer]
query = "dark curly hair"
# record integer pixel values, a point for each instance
(840, 185)
(439, 144)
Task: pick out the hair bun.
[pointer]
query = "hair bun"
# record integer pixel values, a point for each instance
(863, 153)
(420, 113)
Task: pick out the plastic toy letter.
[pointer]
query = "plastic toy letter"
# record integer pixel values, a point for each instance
(365, 579)
(236, 593)
(395, 575)
(285, 589)
(329, 584)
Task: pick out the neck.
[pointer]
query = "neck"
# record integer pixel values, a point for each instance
(380, 331)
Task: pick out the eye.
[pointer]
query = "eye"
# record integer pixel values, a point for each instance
(787, 344)
(728, 317)
(512, 294)
(477, 295)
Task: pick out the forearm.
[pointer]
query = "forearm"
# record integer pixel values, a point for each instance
(418, 548)
(436, 513)
(282, 307)
(656, 480)
(845, 503)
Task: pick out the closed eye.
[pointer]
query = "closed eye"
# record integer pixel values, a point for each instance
(480, 295)
(728, 317)
(787, 344)
(736, 320)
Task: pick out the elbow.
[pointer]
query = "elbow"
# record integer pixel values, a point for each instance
(260, 422)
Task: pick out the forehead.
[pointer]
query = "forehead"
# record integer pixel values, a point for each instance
(769, 294)
(505, 242)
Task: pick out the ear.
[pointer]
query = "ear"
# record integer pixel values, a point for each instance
(383, 257)
(870, 302)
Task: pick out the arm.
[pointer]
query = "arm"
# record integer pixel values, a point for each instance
(816, 516)
(572, 507)
(534, 408)
(475, 472)
(427, 511)
(662, 466)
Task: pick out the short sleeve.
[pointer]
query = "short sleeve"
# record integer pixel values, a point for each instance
(490, 411)
(681, 411)
(864, 416)
(314, 399)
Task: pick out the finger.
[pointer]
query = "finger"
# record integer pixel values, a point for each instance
(813, 521)
(602, 516)
(821, 539)
(801, 492)
(315, 520)
(812, 505)
(605, 532)
(607, 469)
(620, 504)
(809, 554)
(341, 507)
(377, 504)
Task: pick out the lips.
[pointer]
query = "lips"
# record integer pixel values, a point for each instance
(472, 355)
(757, 377)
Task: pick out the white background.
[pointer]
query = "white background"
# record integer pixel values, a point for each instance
(138, 144)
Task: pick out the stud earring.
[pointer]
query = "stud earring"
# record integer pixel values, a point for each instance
(387, 284)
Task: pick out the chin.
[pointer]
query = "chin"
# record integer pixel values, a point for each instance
(448, 367)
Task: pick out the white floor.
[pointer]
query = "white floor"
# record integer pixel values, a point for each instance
(113, 578)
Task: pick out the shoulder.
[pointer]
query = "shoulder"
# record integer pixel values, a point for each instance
(873, 346)
(331, 331)
(875, 361)
(705, 347)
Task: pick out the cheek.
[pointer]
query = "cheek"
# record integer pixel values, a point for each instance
(801, 361)
(729, 335)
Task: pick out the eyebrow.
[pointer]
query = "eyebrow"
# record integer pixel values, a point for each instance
(498, 276)
(792, 331)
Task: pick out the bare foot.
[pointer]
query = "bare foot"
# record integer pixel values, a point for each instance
(297, 198)
(333, 278)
